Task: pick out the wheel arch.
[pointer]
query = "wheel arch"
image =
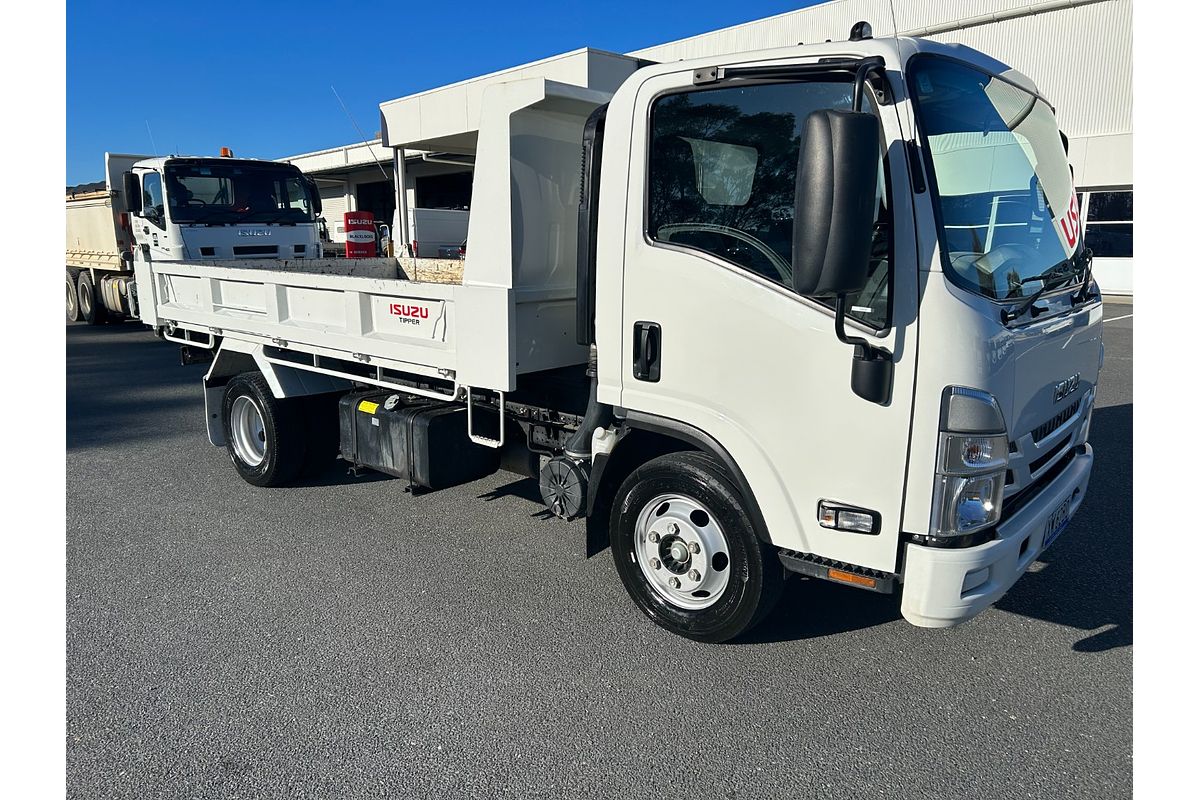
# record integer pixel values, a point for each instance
(648, 436)
(234, 357)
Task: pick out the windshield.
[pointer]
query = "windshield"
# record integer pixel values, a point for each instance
(1008, 208)
(236, 193)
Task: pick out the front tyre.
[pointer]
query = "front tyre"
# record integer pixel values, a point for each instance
(265, 437)
(686, 549)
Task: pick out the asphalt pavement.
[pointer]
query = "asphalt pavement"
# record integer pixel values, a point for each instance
(347, 639)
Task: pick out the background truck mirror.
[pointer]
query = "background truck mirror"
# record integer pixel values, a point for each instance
(836, 179)
(315, 194)
(133, 193)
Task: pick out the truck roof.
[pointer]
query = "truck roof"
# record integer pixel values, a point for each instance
(162, 161)
(447, 118)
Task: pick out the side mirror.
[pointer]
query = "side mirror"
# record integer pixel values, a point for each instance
(132, 190)
(315, 194)
(836, 179)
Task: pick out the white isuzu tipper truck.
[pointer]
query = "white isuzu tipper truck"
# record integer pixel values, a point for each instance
(819, 310)
(184, 208)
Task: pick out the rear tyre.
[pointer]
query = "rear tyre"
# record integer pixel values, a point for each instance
(265, 437)
(91, 308)
(687, 551)
(72, 299)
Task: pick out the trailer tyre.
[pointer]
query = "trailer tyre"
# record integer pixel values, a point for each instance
(91, 308)
(72, 299)
(265, 437)
(687, 552)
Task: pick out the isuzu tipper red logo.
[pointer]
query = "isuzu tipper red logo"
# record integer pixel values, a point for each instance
(1070, 223)
(409, 314)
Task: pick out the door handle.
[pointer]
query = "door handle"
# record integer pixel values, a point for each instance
(647, 351)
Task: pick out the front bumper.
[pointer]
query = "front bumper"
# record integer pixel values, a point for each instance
(943, 587)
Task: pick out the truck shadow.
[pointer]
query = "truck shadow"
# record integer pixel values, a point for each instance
(1084, 581)
(121, 380)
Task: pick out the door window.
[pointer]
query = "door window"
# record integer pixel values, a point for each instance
(723, 175)
(152, 197)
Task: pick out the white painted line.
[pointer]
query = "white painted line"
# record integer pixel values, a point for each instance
(1115, 319)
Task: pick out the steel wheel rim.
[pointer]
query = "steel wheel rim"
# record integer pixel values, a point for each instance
(85, 301)
(249, 432)
(682, 551)
(72, 299)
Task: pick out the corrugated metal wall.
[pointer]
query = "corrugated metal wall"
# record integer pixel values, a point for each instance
(1080, 56)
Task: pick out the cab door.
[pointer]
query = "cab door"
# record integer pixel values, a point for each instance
(150, 224)
(714, 336)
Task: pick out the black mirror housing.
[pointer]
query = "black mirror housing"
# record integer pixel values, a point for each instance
(837, 175)
(315, 194)
(132, 190)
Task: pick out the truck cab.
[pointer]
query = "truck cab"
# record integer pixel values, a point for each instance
(186, 208)
(918, 423)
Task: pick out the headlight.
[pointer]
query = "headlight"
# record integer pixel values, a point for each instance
(964, 505)
(973, 458)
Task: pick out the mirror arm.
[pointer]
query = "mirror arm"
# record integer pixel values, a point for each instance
(868, 351)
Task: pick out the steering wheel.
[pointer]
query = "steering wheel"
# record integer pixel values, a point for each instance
(196, 201)
(741, 241)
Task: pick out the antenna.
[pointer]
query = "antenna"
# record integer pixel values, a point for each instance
(895, 27)
(365, 141)
(152, 144)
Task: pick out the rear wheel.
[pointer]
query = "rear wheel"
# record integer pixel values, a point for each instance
(265, 437)
(687, 551)
(91, 309)
(72, 299)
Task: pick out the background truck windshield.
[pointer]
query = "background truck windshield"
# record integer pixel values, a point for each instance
(232, 193)
(1008, 208)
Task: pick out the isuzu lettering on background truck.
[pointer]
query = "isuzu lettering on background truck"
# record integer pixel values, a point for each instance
(185, 208)
(818, 310)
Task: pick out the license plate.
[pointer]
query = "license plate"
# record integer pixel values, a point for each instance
(1057, 521)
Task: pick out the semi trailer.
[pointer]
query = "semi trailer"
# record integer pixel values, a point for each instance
(184, 208)
(818, 311)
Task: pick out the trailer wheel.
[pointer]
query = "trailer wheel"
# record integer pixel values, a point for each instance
(91, 309)
(686, 549)
(72, 299)
(265, 437)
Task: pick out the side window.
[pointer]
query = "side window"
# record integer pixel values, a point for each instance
(152, 195)
(1109, 227)
(722, 180)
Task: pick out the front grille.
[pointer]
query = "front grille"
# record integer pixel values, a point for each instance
(1043, 460)
(1054, 423)
(256, 250)
(1017, 501)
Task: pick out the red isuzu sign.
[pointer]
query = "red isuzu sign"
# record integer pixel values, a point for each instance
(360, 234)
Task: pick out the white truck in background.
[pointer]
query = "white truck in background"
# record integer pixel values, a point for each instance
(434, 231)
(774, 326)
(183, 208)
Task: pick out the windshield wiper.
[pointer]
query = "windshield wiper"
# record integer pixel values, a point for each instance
(1052, 278)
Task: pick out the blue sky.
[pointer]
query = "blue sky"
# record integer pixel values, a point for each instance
(255, 76)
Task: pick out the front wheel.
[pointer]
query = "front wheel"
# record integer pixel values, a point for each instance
(687, 552)
(265, 437)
